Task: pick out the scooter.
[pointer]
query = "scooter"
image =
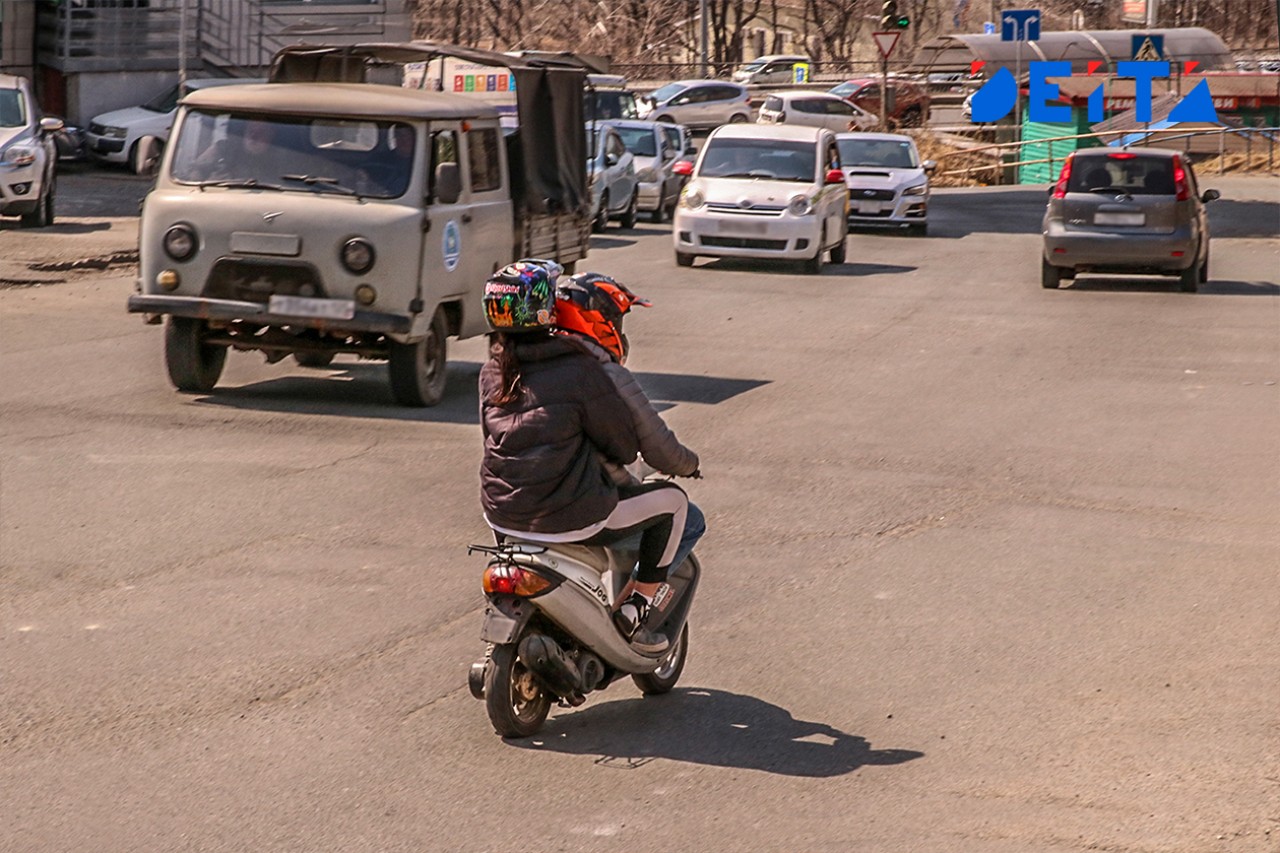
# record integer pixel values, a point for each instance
(548, 622)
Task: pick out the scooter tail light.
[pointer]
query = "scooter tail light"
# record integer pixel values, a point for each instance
(1180, 179)
(1060, 191)
(510, 579)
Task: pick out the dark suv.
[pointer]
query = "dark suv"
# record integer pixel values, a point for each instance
(1121, 211)
(908, 101)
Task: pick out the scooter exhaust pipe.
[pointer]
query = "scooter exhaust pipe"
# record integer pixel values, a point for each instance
(548, 661)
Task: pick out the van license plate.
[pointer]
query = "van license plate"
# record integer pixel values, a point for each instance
(302, 306)
(1104, 218)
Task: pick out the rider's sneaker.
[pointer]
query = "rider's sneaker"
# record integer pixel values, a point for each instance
(630, 619)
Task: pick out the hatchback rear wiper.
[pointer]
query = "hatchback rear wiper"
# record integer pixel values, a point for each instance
(1119, 191)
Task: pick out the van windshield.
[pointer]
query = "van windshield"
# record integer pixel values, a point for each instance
(294, 153)
(609, 104)
(772, 159)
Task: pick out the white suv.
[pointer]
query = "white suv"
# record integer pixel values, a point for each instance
(114, 137)
(764, 192)
(28, 155)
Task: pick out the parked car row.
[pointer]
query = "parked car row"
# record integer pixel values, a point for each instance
(28, 155)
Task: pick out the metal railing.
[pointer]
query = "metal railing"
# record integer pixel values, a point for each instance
(1270, 136)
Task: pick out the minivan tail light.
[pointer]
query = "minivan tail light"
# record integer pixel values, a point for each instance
(1060, 191)
(1180, 179)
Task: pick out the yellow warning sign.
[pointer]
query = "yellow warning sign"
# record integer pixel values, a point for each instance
(1147, 52)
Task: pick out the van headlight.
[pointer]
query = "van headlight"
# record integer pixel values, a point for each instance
(918, 189)
(692, 198)
(358, 255)
(180, 242)
(800, 205)
(19, 155)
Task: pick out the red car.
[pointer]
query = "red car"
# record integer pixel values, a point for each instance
(909, 101)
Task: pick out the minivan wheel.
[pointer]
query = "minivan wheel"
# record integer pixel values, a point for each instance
(602, 218)
(1189, 280)
(737, 118)
(1204, 268)
(684, 259)
(1050, 276)
(665, 118)
(840, 251)
(813, 265)
(628, 220)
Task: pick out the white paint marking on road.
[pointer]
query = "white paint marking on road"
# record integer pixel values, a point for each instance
(883, 596)
(92, 627)
(22, 629)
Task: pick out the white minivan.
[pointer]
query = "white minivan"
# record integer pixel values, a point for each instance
(759, 191)
(114, 137)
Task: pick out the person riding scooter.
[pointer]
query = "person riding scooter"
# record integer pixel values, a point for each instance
(553, 420)
(590, 307)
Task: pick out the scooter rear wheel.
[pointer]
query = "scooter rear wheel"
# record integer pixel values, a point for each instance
(516, 703)
(662, 679)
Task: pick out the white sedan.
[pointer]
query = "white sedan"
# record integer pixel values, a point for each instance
(888, 184)
(764, 192)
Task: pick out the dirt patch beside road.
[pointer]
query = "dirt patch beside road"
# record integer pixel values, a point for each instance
(70, 248)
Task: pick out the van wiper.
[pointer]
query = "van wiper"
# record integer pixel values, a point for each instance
(327, 182)
(241, 184)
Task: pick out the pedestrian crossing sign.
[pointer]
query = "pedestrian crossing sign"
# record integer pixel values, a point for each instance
(1148, 47)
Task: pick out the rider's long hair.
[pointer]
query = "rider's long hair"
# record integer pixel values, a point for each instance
(502, 350)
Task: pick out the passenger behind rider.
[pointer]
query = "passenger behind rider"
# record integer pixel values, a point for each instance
(555, 424)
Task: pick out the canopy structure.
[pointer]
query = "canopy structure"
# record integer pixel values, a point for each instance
(549, 97)
(957, 52)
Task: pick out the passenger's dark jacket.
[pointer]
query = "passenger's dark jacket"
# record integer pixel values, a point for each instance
(542, 470)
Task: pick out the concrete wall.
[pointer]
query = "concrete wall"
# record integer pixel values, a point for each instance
(17, 37)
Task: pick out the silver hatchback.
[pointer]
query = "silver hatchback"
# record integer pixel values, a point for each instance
(1123, 211)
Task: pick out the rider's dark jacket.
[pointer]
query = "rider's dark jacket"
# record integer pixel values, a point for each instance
(542, 471)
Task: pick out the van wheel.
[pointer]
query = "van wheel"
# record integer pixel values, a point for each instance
(602, 218)
(418, 370)
(194, 366)
(840, 251)
(1050, 276)
(629, 215)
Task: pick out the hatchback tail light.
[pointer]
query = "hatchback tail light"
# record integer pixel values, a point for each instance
(1180, 179)
(1060, 191)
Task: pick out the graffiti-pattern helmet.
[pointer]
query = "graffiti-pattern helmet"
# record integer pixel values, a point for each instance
(520, 297)
(593, 304)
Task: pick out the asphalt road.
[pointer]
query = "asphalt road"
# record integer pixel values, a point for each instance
(990, 568)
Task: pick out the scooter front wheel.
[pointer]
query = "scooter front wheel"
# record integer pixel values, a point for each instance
(662, 679)
(516, 703)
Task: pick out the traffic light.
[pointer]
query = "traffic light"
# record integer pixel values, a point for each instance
(888, 14)
(889, 17)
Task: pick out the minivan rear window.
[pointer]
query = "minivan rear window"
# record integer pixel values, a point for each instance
(1135, 174)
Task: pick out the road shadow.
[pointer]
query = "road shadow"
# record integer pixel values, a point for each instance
(362, 389)
(958, 213)
(1230, 218)
(599, 242)
(711, 727)
(770, 267)
(1157, 284)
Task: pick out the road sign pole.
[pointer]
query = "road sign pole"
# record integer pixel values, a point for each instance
(884, 92)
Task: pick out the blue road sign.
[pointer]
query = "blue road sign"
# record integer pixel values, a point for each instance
(988, 28)
(1020, 25)
(1147, 46)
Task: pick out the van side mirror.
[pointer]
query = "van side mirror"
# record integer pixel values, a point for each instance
(448, 183)
(929, 166)
(1210, 195)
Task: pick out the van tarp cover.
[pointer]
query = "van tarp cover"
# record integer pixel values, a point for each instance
(548, 104)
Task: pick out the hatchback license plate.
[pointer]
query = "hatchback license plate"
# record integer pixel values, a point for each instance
(302, 306)
(1104, 218)
(734, 227)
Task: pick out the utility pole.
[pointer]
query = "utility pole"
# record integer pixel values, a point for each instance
(1151, 13)
(702, 21)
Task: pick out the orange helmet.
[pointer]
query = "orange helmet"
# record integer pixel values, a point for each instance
(593, 304)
